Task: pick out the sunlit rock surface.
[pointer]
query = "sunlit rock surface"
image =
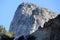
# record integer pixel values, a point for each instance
(28, 17)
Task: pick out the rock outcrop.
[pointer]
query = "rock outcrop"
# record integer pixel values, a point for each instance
(51, 30)
(54, 26)
(28, 18)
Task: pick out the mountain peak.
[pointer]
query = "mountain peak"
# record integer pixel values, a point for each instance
(25, 3)
(28, 18)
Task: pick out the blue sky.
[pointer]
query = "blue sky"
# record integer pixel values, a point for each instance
(8, 8)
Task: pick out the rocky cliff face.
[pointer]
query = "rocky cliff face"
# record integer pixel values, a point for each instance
(51, 30)
(28, 17)
(54, 26)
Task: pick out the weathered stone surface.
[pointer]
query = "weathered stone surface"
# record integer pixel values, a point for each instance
(27, 19)
(51, 30)
(42, 34)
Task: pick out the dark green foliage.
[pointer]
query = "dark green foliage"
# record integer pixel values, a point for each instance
(5, 35)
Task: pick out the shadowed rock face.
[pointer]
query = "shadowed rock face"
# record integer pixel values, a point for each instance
(30, 37)
(21, 38)
(54, 26)
(42, 34)
(28, 17)
(51, 30)
(54, 23)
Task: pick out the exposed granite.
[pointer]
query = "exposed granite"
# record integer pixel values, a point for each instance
(54, 26)
(51, 30)
(28, 18)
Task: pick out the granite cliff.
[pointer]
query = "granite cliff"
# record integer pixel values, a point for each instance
(28, 18)
(54, 26)
(51, 30)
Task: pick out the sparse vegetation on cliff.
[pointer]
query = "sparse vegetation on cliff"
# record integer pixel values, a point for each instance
(4, 34)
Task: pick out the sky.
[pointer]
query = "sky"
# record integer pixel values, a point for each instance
(8, 8)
